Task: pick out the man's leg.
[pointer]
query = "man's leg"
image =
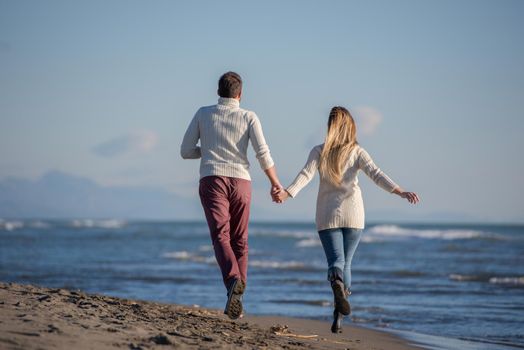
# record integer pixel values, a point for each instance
(240, 200)
(214, 193)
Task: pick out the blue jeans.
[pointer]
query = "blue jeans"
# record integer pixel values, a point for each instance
(339, 245)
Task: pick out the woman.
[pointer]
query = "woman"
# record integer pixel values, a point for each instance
(340, 210)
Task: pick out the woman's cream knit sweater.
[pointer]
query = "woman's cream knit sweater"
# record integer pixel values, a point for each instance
(341, 206)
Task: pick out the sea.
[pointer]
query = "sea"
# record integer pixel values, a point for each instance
(449, 286)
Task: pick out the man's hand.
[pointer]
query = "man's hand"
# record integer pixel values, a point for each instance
(275, 190)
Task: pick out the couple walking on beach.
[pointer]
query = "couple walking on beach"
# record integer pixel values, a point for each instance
(224, 131)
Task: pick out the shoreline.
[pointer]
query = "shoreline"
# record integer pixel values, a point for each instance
(33, 317)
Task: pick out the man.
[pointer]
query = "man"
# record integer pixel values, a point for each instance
(224, 131)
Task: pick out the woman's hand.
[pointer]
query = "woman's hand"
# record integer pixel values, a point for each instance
(412, 197)
(279, 195)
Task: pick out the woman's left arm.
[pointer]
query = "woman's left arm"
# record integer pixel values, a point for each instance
(412, 197)
(366, 164)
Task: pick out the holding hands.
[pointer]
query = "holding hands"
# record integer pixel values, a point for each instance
(278, 194)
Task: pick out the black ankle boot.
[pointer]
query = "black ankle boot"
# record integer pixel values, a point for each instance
(336, 327)
(347, 293)
(340, 298)
(336, 277)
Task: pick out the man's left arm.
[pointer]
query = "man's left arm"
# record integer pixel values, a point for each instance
(256, 136)
(263, 154)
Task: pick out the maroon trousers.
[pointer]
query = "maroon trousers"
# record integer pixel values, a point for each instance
(226, 202)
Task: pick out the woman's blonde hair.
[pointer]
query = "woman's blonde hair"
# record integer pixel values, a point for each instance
(340, 140)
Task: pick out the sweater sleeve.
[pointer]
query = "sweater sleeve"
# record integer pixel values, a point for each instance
(366, 164)
(189, 148)
(306, 174)
(256, 136)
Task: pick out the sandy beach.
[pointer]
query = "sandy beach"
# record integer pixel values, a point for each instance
(34, 317)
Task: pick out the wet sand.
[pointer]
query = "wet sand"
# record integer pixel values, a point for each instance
(43, 318)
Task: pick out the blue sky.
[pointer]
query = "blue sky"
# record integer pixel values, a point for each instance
(105, 89)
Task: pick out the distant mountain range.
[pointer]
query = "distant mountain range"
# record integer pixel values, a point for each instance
(59, 195)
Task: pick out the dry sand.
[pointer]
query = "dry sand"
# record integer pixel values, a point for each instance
(41, 318)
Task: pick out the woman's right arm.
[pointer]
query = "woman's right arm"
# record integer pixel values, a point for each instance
(306, 174)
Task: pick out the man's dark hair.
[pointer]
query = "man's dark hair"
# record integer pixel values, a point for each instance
(229, 85)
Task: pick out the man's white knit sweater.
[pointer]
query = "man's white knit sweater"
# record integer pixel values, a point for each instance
(224, 131)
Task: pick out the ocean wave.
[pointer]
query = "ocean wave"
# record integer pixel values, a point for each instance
(188, 256)
(184, 255)
(10, 225)
(309, 242)
(322, 303)
(39, 224)
(366, 238)
(505, 280)
(283, 233)
(205, 248)
(383, 232)
(298, 281)
(407, 273)
(89, 223)
(468, 278)
(180, 255)
(155, 279)
(284, 265)
(508, 280)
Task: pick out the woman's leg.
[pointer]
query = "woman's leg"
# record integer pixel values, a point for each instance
(333, 244)
(351, 240)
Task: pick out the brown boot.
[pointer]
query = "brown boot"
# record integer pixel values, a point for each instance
(234, 299)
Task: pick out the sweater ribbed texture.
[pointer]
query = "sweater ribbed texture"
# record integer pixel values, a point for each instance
(224, 131)
(341, 206)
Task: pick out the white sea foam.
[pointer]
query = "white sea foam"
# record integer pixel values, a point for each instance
(465, 278)
(184, 255)
(282, 233)
(188, 256)
(366, 238)
(39, 224)
(16, 224)
(277, 264)
(10, 225)
(507, 280)
(309, 242)
(383, 232)
(89, 223)
(181, 255)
